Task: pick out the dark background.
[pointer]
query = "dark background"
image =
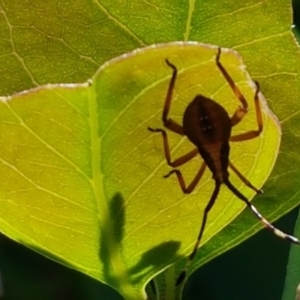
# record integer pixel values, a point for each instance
(255, 270)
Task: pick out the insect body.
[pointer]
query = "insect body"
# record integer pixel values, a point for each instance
(208, 126)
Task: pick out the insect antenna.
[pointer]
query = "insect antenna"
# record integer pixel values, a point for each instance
(267, 224)
(208, 207)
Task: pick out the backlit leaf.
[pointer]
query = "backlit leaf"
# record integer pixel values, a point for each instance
(85, 186)
(65, 41)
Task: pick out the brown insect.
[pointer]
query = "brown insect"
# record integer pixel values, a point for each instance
(208, 126)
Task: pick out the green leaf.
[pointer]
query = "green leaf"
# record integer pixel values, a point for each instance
(67, 42)
(60, 41)
(81, 166)
(292, 279)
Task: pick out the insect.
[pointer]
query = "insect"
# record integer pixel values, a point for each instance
(208, 126)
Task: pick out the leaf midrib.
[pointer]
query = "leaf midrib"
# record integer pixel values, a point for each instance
(115, 260)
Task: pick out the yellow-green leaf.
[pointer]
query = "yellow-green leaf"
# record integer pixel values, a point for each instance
(44, 42)
(84, 177)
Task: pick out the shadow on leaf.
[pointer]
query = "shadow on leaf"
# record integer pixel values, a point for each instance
(155, 258)
(112, 232)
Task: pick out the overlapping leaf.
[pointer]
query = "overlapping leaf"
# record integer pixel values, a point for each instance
(64, 42)
(86, 186)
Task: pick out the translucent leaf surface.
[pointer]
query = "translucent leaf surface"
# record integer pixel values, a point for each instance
(86, 186)
(63, 41)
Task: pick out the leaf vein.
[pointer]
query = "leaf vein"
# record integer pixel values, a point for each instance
(119, 23)
(39, 187)
(45, 143)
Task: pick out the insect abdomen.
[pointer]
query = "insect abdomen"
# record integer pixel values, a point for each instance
(208, 126)
(216, 158)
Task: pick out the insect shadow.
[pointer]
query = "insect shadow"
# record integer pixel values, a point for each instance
(115, 221)
(152, 259)
(155, 258)
(208, 126)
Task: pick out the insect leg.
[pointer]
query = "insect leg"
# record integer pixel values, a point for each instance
(238, 116)
(253, 133)
(168, 122)
(267, 224)
(188, 189)
(241, 111)
(206, 211)
(185, 158)
(169, 94)
(179, 161)
(244, 179)
(230, 81)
